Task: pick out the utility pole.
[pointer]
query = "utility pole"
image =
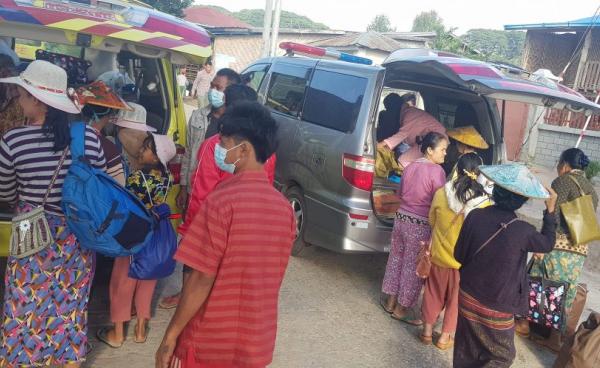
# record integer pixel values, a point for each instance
(267, 28)
(275, 31)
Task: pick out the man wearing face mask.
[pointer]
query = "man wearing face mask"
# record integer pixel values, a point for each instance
(210, 172)
(199, 124)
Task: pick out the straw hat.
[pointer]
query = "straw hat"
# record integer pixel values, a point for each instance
(46, 82)
(515, 178)
(165, 148)
(99, 94)
(134, 119)
(469, 136)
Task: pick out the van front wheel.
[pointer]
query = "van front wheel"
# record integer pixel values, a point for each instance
(296, 199)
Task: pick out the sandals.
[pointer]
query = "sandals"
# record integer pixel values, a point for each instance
(445, 345)
(169, 302)
(383, 303)
(408, 319)
(141, 341)
(426, 340)
(102, 335)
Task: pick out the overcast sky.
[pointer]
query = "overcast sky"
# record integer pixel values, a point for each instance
(353, 15)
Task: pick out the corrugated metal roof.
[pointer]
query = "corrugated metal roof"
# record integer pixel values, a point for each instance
(371, 40)
(212, 18)
(559, 26)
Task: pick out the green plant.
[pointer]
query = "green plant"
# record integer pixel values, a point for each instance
(592, 170)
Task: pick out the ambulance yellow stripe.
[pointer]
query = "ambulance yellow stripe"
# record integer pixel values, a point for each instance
(167, 35)
(74, 24)
(194, 50)
(134, 35)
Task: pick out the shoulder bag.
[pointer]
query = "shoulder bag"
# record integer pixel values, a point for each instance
(547, 299)
(580, 216)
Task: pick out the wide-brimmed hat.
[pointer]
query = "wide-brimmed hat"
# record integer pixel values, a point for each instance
(516, 178)
(469, 136)
(99, 94)
(46, 82)
(165, 148)
(134, 118)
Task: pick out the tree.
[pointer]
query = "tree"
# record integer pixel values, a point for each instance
(381, 23)
(173, 7)
(497, 45)
(429, 21)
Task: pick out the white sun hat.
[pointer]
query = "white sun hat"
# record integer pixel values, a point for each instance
(46, 82)
(134, 119)
(165, 148)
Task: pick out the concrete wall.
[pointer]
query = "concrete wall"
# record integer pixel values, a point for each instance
(553, 140)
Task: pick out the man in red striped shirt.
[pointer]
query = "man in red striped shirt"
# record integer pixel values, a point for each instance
(238, 246)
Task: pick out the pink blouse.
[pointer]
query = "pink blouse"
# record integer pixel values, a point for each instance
(420, 180)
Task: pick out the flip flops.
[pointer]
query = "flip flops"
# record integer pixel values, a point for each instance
(445, 345)
(383, 303)
(408, 319)
(102, 335)
(141, 341)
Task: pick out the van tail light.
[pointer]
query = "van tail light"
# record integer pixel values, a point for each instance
(358, 171)
(175, 164)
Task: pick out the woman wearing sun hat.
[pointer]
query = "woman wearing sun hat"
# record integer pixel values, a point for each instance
(45, 307)
(151, 184)
(492, 248)
(462, 140)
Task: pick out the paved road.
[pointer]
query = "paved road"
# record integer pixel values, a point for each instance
(329, 317)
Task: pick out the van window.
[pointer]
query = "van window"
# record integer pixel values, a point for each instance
(333, 100)
(287, 88)
(254, 75)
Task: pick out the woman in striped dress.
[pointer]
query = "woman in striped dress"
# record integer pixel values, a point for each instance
(46, 298)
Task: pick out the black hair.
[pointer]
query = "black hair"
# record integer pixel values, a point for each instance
(430, 140)
(409, 97)
(575, 158)
(149, 143)
(392, 102)
(56, 125)
(238, 92)
(232, 76)
(252, 122)
(507, 200)
(90, 111)
(467, 187)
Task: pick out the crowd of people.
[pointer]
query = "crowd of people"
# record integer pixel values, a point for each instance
(237, 230)
(459, 215)
(234, 261)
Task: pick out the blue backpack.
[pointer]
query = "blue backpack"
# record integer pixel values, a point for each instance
(104, 216)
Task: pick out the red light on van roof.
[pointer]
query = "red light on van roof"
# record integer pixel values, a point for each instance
(477, 70)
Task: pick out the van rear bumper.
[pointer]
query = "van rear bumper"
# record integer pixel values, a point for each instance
(332, 228)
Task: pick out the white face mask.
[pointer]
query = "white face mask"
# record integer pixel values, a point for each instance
(487, 184)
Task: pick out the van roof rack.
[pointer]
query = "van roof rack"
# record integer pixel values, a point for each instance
(298, 48)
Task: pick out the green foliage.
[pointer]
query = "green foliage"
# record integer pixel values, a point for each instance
(173, 7)
(255, 17)
(381, 23)
(592, 170)
(428, 21)
(497, 45)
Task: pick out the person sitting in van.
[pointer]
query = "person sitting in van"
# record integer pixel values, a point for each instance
(414, 123)
(203, 121)
(151, 185)
(208, 175)
(11, 114)
(389, 119)
(463, 140)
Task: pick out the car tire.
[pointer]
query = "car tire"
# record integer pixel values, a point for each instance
(296, 199)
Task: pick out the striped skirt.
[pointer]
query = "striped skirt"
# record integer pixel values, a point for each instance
(484, 337)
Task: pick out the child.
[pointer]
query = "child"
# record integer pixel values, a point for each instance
(151, 185)
(237, 246)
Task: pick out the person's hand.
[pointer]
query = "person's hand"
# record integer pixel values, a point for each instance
(538, 256)
(381, 145)
(182, 198)
(164, 354)
(551, 202)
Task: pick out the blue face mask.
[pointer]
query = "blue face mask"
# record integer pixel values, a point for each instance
(221, 155)
(216, 98)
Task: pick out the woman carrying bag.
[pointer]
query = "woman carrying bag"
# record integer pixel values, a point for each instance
(451, 205)
(48, 278)
(565, 262)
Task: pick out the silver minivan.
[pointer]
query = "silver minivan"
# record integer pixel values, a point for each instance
(328, 116)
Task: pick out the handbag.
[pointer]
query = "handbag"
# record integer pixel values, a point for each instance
(30, 232)
(582, 350)
(424, 256)
(580, 216)
(155, 261)
(547, 300)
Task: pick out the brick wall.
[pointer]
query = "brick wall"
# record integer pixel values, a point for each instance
(553, 140)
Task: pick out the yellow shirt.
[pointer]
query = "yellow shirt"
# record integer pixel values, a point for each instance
(446, 225)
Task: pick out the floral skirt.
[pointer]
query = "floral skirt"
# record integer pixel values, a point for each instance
(44, 319)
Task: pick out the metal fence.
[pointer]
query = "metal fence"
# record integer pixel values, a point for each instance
(570, 119)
